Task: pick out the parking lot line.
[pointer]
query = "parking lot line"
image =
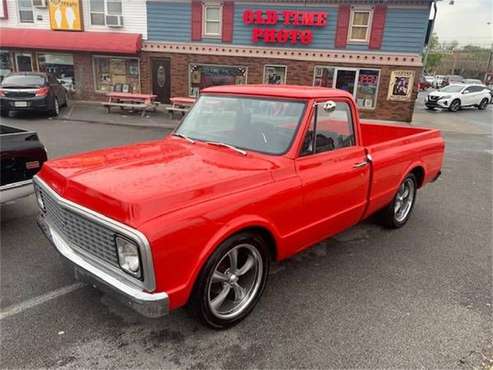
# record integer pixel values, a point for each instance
(33, 302)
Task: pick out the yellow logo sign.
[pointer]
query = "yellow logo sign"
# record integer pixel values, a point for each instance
(65, 15)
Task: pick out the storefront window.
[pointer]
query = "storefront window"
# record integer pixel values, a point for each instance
(60, 65)
(323, 76)
(5, 64)
(116, 74)
(366, 92)
(274, 75)
(202, 76)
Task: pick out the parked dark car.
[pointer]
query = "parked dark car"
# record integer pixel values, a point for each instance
(21, 157)
(31, 91)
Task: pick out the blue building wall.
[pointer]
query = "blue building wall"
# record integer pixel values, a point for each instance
(405, 29)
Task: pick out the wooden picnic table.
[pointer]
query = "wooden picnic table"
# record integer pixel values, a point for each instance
(144, 102)
(180, 104)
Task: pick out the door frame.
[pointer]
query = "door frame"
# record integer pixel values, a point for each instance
(356, 77)
(151, 61)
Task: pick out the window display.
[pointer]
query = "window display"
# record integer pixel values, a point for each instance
(202, 76)
(274, 75)
(366, 92)
(323, 76)
(60, 65)
(116, 73)
(5, 64)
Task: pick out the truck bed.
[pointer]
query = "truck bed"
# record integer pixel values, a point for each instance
(395, 151)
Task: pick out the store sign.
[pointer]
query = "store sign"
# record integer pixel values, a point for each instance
(65, 15)
(293, 26)
(401, 85)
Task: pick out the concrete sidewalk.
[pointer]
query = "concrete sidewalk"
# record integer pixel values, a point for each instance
(95, 112)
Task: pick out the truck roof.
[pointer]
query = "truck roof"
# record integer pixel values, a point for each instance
(283, 91)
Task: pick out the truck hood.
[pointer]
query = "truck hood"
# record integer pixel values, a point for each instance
(136, 183)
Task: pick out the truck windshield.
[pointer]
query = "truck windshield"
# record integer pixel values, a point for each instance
(257, 124)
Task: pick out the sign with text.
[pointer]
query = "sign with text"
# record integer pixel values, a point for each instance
(65, 15)
(294, 26)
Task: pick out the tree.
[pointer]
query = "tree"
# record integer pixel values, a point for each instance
(434, 43)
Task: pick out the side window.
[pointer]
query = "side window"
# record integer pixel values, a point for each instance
(334, 130)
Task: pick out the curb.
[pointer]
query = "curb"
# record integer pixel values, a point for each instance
(163, 126)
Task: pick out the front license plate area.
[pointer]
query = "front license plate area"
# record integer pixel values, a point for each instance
(20, 104)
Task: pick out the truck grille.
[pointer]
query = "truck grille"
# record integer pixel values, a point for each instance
(79, 231)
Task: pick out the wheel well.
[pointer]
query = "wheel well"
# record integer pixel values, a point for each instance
(419, 172)
(267, 236)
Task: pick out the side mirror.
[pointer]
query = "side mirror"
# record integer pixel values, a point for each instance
(328, 106)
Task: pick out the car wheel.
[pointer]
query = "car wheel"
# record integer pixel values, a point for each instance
(397, 213)
(232, 281)
(454, 106)
(483, 104)
(55, 111)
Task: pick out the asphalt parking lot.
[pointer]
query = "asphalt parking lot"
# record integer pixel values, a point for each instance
(420, 296)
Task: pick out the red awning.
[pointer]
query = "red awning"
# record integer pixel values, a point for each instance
(101, 42)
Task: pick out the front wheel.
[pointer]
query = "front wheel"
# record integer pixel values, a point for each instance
(483, 104)
(399, 211)
(232, 281)
(454, 106)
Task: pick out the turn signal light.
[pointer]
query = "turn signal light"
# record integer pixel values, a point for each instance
(43, 91)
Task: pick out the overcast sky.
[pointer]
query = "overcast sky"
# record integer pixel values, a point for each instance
(466, 21)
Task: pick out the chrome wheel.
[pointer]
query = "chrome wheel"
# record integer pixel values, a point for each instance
(454, 107)
(404, 200)
(235, 281)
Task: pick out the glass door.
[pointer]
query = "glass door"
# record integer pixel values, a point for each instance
(346, 79)
(24, 62)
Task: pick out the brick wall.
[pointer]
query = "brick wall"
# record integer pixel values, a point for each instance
(298, 73)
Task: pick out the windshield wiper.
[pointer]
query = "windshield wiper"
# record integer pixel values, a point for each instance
(184, 137)
(216, 143)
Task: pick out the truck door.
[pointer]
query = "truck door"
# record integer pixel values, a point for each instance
(334, 172)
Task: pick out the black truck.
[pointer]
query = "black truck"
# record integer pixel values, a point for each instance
(21, 156)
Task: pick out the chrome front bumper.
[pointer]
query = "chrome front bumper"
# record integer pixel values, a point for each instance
(147, 304)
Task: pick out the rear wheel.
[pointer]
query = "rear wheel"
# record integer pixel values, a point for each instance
(232, 281)
(399, 211)
(454, 106)
(483, 104)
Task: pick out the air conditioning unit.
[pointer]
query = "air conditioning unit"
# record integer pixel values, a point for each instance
(40, 3)
(114, 20)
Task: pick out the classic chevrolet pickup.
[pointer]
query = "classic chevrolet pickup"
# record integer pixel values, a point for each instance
(252, 174)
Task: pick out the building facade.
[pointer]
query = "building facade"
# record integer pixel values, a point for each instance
(370, 48)
(93, 46)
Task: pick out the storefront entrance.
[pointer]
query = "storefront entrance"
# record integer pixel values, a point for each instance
(161, 79)
(24, 62)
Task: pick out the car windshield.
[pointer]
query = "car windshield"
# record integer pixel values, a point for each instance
(23, 81)
(258, 124)
(452, 88)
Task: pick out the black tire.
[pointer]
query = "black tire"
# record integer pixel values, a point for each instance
(200, 300)
(483, 104)
(454, 106)
(389, 216)
(55, 109)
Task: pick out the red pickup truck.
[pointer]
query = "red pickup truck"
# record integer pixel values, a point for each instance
(252, 174)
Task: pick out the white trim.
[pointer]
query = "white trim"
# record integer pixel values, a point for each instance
(213, 65)
(316, 55)
(23, 54)
(361, 9)
(111, 57)
(204, 20)
(285, 78)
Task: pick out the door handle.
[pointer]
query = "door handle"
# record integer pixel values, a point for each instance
(360, 164)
